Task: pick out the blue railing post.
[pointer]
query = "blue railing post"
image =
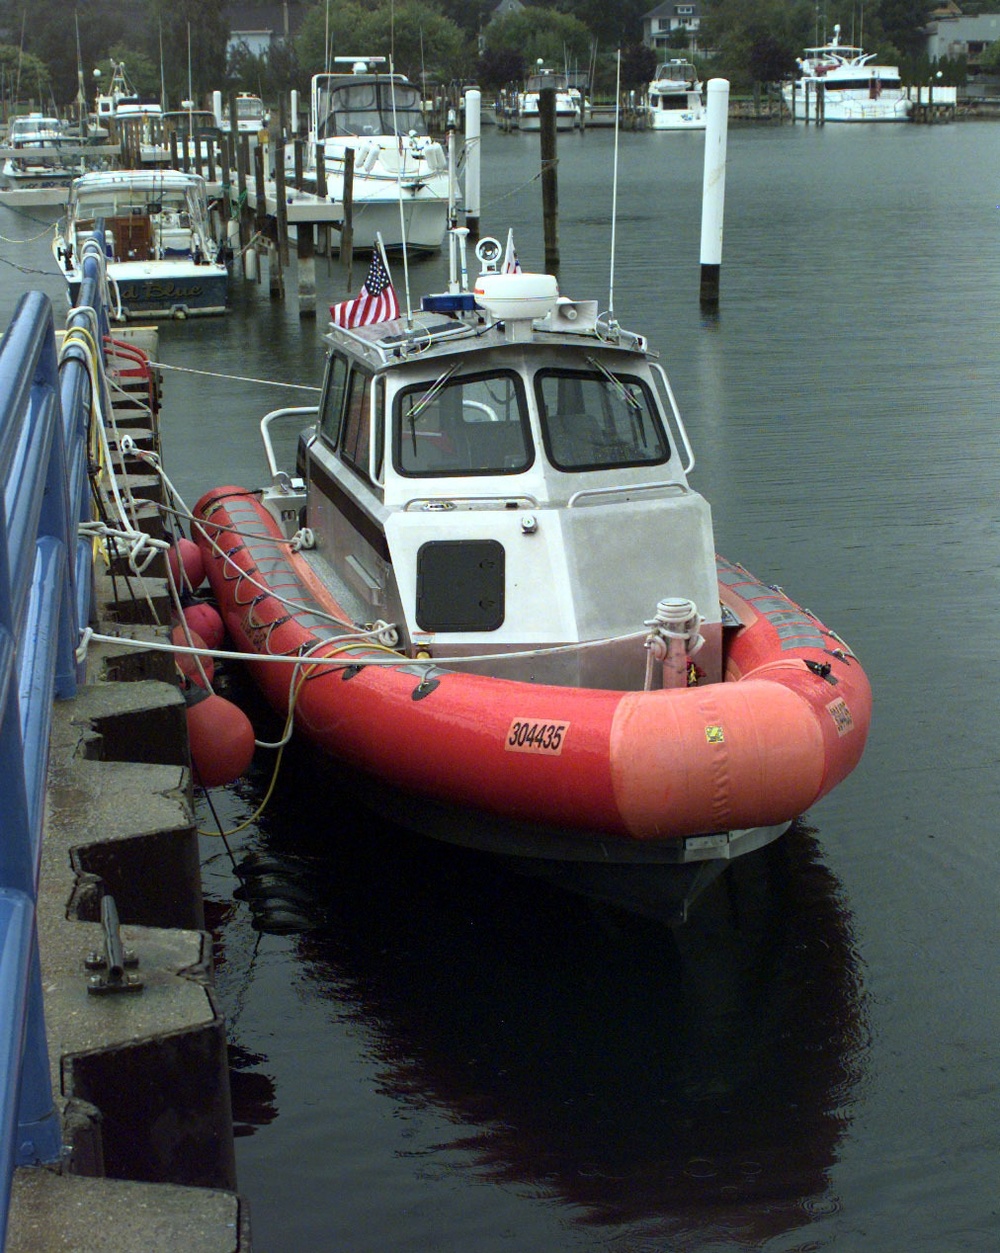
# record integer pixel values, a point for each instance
(45, 579)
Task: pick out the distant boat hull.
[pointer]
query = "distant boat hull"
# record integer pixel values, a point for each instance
(146, 290)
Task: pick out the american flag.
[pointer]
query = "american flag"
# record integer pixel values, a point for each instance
(511, 265)
(376, 302)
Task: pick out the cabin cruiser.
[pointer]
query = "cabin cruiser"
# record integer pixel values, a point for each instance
(35, 159)
(251, 115)
(675, 100)
(401, 175)
(162, 254)
(134, 122)
(842, 80)
(489, 591)
(568, 103)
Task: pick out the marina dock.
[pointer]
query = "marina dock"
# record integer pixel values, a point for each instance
(116, 1128)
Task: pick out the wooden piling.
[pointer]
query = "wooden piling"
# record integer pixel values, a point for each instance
(306, 269)
(322, 230)
(282, 202)
(550, 182)
(347, 226)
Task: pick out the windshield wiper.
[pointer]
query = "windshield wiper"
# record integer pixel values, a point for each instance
(616, 383)
(426, 399)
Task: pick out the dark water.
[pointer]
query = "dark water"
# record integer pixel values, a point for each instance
(433, 1053)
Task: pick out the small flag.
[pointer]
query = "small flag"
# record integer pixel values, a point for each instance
(511, 265)
(377, 300)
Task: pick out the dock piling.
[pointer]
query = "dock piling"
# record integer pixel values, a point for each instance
(714, 190)
(550, 181)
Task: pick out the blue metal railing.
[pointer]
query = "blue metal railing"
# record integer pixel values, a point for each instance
(45, 594)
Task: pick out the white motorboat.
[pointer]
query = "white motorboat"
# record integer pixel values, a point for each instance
(498, 602)
(842, 81)
(401, 175)
(251, 115)
(162, 256)
(675, 101)
(35, 159)
(568, 106)
(136, 122)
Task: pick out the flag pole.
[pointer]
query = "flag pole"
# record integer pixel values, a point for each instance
(401, 157)
(614, 194)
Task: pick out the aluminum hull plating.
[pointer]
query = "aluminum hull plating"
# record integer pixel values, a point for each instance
(683, 775)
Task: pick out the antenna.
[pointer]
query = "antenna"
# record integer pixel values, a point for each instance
(614, 191)
(401, 157)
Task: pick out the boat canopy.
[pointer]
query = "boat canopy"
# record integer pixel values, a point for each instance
(548, 78)
(367, 106)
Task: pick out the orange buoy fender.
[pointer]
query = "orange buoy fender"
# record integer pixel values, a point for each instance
(207, 621)
(186, 664)
(714, 758)
(187, 566)
(221, 738)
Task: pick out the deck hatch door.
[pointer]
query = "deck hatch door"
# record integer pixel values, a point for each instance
(460, 585)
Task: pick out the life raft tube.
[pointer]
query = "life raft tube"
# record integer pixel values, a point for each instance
(615, 775)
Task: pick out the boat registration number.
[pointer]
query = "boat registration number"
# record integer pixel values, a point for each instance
(529, 735)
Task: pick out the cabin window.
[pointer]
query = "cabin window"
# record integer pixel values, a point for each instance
(366, 108)
(471, 424)
(599, 420)
(379, 427)
(357, 422)
(332, 403)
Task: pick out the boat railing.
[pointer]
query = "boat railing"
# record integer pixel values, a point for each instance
(678, 420)
(281, 479)
(45, 579)
(587, 494)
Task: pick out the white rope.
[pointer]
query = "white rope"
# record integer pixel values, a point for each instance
(234, 378)
(345, 660)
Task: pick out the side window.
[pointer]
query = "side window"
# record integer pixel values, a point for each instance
(332, 402)
(357, 422)
(379, 426)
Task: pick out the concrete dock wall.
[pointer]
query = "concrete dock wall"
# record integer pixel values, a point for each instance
(138, 1054)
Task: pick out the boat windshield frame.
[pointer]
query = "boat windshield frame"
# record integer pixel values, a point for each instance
(606, 426)
(361, 106)
(465, 424)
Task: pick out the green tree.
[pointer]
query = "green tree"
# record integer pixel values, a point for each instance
(194, 35)
(413, 33)
(758, 40)
(541, 34)
(24, 76)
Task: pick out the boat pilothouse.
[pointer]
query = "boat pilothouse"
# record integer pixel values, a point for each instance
(474, 478)
(399, 170)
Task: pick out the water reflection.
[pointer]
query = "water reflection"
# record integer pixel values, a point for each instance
(675, 1082)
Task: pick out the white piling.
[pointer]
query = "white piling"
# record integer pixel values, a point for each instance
(293, 119)
(473, 151)
(713, 201)
(217, 108)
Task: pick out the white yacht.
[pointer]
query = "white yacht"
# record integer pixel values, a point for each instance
(853, 88)
(675, 98)
(400, 173)
(568, 106)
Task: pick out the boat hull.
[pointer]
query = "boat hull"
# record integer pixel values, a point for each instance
(154, 290)
(844, 107)
(698, 773)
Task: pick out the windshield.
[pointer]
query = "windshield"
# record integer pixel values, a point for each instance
(366, 108)
(599, 420)
(475, 424)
